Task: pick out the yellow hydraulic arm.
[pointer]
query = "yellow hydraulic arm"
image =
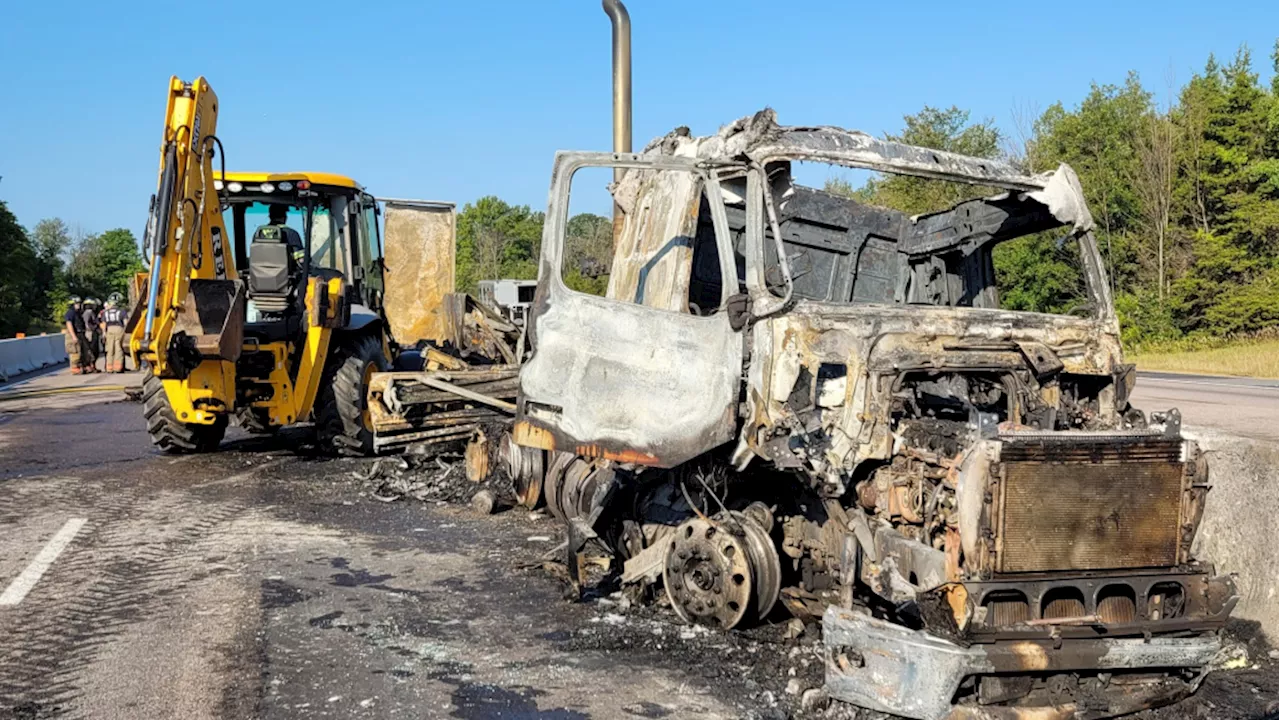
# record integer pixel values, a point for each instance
(191, 295)
(185, 237)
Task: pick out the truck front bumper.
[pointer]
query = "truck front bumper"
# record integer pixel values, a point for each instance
(878, 665)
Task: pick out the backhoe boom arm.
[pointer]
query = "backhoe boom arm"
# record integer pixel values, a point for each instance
(185, 238)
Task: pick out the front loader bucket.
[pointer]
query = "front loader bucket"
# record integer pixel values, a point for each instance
(213, 316)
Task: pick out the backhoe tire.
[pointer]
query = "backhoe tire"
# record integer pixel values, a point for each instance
(170, 434)
(341, 403)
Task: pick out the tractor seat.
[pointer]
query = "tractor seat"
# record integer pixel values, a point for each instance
(272, 270)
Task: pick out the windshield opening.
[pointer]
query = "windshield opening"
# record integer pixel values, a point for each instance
(908, 240)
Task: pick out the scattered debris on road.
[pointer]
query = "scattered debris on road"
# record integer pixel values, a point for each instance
(467, 382)
(433, 478)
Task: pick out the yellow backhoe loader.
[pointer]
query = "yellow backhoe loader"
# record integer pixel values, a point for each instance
(263, 299)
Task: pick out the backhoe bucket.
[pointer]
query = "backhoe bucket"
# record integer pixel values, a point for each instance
(213, 316)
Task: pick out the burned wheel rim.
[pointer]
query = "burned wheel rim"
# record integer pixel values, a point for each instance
(528, 487)
(766, 568)
(572, 487)
(525, 468)
(560, 462)
(707, 575)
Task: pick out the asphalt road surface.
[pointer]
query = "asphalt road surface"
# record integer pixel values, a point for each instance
(259, 582)
(265, 582)
(1241, 406)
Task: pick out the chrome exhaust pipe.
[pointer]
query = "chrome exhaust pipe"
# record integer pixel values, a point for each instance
(621, 22)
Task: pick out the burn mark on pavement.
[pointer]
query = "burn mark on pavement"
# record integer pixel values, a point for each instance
(325, 621)
(277, 593)
(481, 701)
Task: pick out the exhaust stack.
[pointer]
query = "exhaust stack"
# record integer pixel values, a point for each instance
(621, 22)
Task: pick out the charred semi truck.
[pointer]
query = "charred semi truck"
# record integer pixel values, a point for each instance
(790, 401)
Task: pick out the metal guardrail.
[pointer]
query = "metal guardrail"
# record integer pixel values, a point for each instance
(22, 355)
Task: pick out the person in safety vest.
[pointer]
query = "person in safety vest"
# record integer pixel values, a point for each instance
(113, 319)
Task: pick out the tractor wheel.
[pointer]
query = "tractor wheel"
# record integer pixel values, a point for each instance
(341, 408)
(170, 434)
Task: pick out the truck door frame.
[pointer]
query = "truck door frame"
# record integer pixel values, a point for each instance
(614, 379)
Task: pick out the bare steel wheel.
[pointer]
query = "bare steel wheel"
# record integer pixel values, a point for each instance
(560, 462)
(707, 575)
(766, 568)
(525, 467)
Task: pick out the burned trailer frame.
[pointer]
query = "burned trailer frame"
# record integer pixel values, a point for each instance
(963, 494)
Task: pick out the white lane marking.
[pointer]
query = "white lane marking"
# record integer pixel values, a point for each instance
(1216, 381)
(1256, 391)
(22, 584)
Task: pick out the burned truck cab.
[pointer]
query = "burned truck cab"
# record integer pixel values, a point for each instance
(788, 400)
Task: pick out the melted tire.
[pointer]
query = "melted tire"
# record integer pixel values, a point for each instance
(341, 400)
(170, 434)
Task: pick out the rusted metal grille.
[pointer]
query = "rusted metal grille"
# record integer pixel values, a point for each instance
(1007, 608)
(1116, 609)
(1094, 505)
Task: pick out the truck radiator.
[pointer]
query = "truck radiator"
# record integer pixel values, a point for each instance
(1088, 504)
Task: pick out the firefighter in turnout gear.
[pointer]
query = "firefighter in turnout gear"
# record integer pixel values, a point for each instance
(277, 215)
(73, 335)
(113, 319)
(89, 350)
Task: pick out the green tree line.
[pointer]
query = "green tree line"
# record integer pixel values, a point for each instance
(42, 268)
(1184, 197)
(497, 240)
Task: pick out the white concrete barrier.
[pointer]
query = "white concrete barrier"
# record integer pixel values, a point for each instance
(22, 355)
(56, 351)
(1239, 531)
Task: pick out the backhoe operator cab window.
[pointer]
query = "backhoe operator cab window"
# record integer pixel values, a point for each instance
(329, 245)
(369, 249)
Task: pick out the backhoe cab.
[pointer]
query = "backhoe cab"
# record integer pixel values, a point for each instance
(268, 317)
(334, 223)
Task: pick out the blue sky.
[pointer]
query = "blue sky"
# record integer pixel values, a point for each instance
(452, 101)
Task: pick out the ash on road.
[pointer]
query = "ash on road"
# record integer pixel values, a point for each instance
(258, 582)
(261, 582)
